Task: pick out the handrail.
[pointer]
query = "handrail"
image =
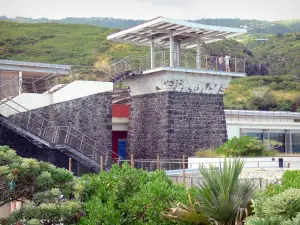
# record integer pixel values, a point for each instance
(82, 135)
(55, 127)
(182, 60)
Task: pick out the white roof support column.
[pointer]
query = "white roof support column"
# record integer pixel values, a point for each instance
(20, 82)
(198, 56)
(177, 50)
(152, 55)
(171, 51)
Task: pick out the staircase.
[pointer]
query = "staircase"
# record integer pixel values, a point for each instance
(43, 132)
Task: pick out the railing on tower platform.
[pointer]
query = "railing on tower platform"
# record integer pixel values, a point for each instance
(186, 60)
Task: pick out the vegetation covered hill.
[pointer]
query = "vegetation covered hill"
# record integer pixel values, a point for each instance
(87, 45)
(254, 26)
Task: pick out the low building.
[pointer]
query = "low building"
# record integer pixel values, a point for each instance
(280, 126)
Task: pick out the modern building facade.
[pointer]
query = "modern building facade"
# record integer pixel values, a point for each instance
(283, 127)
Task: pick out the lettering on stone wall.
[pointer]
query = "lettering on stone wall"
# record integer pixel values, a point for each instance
(185, 86)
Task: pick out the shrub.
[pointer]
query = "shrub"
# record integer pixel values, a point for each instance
(267, 101)
(128, 196)
(246, 146)
(290, 179)
(254, 220)
(285, 205)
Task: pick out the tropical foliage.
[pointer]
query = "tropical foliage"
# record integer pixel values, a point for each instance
(40, 186)
(282, 208)
(128, 196)
(247, 146)
(290, 179)
(222, 196)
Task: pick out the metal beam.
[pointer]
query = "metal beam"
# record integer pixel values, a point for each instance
(171, 34)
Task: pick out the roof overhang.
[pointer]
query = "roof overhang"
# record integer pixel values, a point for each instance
(34, 67)
(159, 31)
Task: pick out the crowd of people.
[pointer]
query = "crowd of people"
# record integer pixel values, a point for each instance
(220, 62)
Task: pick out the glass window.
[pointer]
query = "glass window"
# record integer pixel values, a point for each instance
(279, 137)
(296, 143)
(255, 134)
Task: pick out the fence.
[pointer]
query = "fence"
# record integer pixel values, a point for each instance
(186, 60)
(188, 173)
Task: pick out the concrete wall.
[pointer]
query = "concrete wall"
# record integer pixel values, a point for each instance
(79, 89)
(175, 123)
(250, 162)
(28, 100)
(177, 81)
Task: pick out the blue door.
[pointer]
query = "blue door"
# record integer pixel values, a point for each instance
(122, 148)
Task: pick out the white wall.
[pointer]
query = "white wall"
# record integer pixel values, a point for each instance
(76, 89)
(79, 89)
(250, 162)
(27, 100)
(180, 81)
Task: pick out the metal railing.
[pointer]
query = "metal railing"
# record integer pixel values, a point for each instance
(54, 134)
(185, 60)
(178, 164)
(196, 181)
(254, 115)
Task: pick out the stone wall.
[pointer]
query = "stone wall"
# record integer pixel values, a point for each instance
(91, 115)
(175, 123)
(26, 148)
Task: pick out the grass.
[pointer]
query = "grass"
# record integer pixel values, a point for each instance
(80, 44)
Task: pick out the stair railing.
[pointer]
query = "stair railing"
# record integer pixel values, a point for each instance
(59, 134)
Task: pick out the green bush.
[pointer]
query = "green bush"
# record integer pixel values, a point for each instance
(246, 146)
(128, 196)
(265, 102)
(284, 206)
(254, 220)
(290, 179)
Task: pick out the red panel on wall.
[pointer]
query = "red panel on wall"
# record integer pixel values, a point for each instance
(121, 111)
(116, 135)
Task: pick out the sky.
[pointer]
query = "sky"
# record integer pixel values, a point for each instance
(147, 9)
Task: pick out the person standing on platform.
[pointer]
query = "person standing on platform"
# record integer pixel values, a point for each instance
(227, 62)
(213, 61)
(221, 62)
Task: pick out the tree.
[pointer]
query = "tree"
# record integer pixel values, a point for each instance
(44, 189)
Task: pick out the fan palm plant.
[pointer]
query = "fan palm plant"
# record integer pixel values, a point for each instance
(222, 196)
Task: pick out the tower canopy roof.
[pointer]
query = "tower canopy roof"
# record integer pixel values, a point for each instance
(160, 29)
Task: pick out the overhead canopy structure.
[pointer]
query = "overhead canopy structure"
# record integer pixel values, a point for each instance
(159, 31)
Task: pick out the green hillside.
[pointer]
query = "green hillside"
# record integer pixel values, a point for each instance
(87, 45)
(254, 26)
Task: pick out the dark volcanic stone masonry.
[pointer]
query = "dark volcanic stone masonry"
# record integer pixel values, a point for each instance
(91, 115)
(173, 124)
